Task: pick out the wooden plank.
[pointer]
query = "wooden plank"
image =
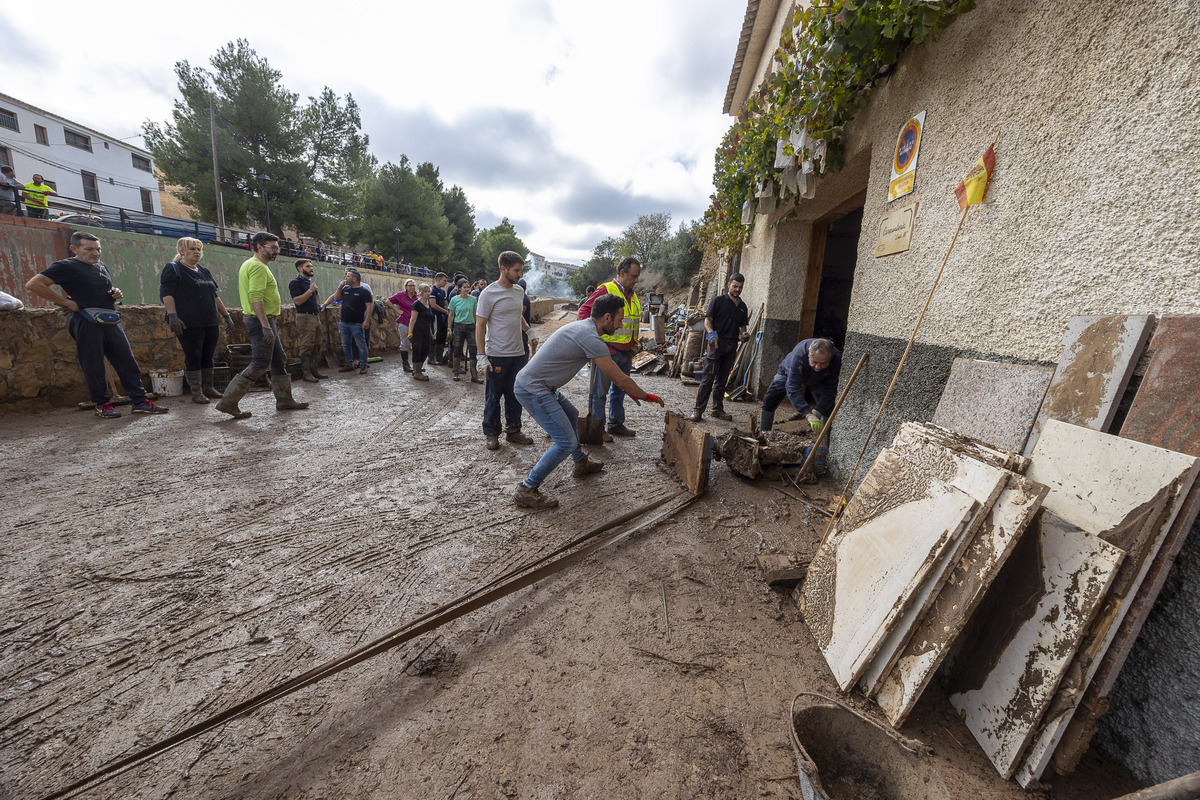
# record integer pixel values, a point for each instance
(1127, 493)
(992, 401)
(1164, 414)
(894, 533)
(778, 569)
(687, 449)
(958, 599)
(1098, 358)
(983, 483)
(1028, 628)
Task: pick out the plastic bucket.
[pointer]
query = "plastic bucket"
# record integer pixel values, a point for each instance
(167, 382)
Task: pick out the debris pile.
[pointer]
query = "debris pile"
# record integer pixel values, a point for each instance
(1024, 566)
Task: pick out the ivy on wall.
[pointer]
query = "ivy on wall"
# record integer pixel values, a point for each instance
(828, 60)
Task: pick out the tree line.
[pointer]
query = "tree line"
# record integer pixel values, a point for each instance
(321, 179)
(675, 256)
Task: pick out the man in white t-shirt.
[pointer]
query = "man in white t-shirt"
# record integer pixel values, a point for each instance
(554, 365)
(498, 327)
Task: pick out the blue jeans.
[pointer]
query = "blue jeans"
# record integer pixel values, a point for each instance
(260, 357)
(353, 332)
(501, 378)
(558, 417)
(616, 398)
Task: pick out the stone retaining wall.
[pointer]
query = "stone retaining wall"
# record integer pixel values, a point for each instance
(37, 354)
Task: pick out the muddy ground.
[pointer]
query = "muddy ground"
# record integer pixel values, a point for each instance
(158, 570)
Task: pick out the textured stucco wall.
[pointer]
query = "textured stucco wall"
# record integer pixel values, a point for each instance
(1095, 108)
(1091, 210)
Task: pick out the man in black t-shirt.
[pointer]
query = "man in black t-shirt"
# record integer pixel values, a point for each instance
(88, 287)
(438, 299)
(355, 326)
(308, 316)
(725, 324)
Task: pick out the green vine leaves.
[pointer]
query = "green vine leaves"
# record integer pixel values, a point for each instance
(827, 63)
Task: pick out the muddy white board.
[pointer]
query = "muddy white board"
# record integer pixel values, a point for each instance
(896, 529)
(1126, 493)
(980, 481)
(1098, 358)
(1026, 633)
(958, 599)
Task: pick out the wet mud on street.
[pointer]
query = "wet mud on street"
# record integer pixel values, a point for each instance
(157, 570)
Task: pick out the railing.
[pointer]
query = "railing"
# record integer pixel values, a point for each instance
(73, 211)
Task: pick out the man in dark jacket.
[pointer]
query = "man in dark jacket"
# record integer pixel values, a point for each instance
(814, 364)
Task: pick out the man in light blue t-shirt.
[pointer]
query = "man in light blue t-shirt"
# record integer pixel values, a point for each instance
(537, 389)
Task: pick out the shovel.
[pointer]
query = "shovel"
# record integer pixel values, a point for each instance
(590, 429)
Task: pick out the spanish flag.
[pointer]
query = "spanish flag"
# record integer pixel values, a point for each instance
(970, 189)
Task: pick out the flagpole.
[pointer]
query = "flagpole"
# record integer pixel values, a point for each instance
(841, 501)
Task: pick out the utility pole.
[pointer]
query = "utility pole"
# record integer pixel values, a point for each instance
(212, 131)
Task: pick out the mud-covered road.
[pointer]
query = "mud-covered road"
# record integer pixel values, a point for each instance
(156, 570)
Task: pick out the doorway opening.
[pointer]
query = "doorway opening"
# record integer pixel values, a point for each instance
(830, 277)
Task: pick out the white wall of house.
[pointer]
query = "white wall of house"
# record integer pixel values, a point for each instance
(81, 163)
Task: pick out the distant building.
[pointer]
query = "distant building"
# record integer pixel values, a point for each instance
(535, 262)
(81, 164)
(562, 270)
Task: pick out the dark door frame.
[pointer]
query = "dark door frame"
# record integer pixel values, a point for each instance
(816, 260)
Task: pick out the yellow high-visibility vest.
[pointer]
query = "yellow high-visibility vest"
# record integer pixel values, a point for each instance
(633, 316)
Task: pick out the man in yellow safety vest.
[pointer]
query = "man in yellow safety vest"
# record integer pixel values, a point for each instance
(622, 344)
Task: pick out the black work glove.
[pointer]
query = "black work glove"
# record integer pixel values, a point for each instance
(228, 324)
(176, 324)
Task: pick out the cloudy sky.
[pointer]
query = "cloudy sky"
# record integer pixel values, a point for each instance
(570, 118)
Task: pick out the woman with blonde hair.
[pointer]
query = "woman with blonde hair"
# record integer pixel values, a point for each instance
(194, 312)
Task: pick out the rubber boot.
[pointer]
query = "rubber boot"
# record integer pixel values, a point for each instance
(234, 392)
(194, 383)
(404, 358)
(312, 366)
(455, 368)
(475, 372)
(306, 370)
(419, 371)
(766, 420)
(206, 384)
(281, 385)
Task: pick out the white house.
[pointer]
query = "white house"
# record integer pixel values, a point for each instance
(83, 165)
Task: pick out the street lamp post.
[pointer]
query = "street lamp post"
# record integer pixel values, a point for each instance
(265, 180)
(397, 232)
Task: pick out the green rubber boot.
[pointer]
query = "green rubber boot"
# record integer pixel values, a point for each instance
(235, 391)
(766, 420)
(281, 385)
(206, 384)
(195, 384)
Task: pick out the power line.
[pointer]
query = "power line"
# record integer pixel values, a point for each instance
(75, 170)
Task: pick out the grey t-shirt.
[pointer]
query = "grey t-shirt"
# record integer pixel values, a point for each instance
(502, 309)
(557, 361)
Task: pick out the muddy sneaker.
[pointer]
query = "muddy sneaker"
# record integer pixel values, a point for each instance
(697, 414)
(720, 413)
(107, 411)
(493, 443)
(526, 497)
(620, 430)
(346, 368)
(607, 438)
(148, 408)
(516, 437)
(362, 370)
(585, 466)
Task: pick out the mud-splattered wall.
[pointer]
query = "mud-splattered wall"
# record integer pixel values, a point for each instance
(1093, 109)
